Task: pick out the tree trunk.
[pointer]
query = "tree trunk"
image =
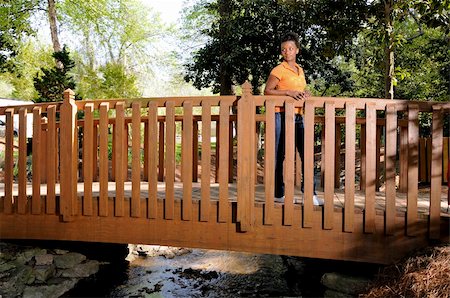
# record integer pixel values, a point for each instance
(389, 50)
(225, 72)
(54, 29)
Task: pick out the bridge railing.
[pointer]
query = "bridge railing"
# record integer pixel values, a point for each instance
(397, 131)
(113, 141)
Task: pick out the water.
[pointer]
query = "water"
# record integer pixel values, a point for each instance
(172, 272)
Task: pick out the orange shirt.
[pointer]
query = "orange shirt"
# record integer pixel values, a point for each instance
(289, 79)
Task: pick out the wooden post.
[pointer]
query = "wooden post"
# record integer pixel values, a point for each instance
(436, 177)
(68, 154)
(246, 145)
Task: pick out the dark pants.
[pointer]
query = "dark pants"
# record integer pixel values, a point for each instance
(280, 149)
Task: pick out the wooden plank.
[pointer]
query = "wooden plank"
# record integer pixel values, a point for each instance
(169, 210)
(120, 155)
(224, 123)
(103, 159)
(9, 161)
(322, 154)
(217, 151)
(330, 140)
(308, 176)
(36, 162)
(161, 151)
(370, 183)
(337, 153)
(186, 160)
(269, 163)
(51, 160)
(350, 156)
(289, 173)
(22, 198)
(205, 202)
(88, 158)
(436, 173)
(413, 171)
(146, 151)
(152, 162)
(136, 160)
(390, 167)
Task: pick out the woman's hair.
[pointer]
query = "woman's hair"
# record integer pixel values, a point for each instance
(291, 36)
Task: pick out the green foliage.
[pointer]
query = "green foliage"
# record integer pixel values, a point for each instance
(51, 85)
(14, 26)
(245, 41)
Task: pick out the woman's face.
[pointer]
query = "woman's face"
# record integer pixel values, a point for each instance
(289, 50)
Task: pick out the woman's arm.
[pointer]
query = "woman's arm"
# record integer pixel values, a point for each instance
(271, 85)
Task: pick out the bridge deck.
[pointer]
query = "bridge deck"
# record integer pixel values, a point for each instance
(423, 202)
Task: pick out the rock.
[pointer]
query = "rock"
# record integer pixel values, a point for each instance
(81, 270)
(7, 266)
(344, 283)
(44, 272)
(28, 254)
(50, 291)
(68, 260)
(46, 259)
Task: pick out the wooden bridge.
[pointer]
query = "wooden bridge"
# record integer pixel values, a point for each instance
(199, 172)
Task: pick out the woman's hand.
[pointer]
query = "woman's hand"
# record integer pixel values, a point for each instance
(298, 95)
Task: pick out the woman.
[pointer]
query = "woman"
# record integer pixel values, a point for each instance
(288, 79)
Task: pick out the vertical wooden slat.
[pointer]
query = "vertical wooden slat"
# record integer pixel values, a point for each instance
(37, 156)
(350, 156)
(51, 160)
(152, 156)
(308, 175)
(103, 159)
(217, 152)
(136, 160)
(337, 155)
(206, 161)
(436, 173)
(9, 161)
(403, 175)
(413, 171)
(88, 157)
(120, 155)
(370, 183)
(390, 159)
(330, 140)
(230, 152)
(170, 161)
(246, 144)
(269, 162)
(223, 161)
(161, 151)
(362, 144)
(187, 144)
(22, 199)
(68, 153)
(289, 164)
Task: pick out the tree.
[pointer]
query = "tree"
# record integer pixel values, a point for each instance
(14, 26)
(51, 85)
(251, 31)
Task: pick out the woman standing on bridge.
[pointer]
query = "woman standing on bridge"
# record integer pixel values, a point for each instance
(288, 79)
